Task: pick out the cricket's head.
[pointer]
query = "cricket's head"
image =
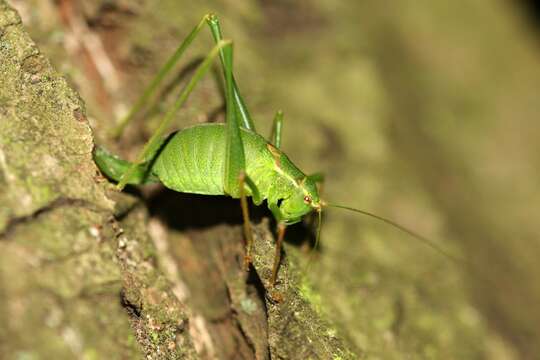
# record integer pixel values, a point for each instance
(303, 200)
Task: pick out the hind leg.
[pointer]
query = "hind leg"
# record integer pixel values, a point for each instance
(151, 147)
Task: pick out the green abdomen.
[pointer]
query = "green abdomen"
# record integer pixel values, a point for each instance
(193, 159)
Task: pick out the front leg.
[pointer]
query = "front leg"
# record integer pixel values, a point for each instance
(277, 257)
(244, 181)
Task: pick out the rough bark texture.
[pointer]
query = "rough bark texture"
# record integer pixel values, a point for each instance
(71, 281)
(425, 112)
(79, 277)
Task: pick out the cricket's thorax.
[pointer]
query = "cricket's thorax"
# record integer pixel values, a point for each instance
(193, 161)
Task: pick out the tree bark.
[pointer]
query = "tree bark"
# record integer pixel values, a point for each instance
(79, 275)
(423, 112)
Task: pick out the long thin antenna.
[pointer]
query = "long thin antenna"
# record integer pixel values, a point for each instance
(317, 240)
(415, 235)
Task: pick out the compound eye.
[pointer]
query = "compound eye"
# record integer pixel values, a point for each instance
(307, 199)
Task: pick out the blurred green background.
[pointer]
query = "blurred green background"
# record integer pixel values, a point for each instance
(425, 112)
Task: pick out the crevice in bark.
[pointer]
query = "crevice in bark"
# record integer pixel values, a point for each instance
(134, 310)
(59, 202)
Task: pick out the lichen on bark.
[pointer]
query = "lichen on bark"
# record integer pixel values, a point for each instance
(61, 277)
(79, 275)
